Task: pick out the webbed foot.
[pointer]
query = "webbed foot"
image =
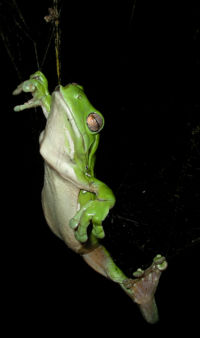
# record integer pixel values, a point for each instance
(143, 288)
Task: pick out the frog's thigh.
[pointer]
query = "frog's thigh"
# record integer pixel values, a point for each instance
(97, 260)
(101, 261)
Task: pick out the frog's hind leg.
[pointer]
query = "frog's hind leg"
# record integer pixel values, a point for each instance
(101, 261)
(141, 289)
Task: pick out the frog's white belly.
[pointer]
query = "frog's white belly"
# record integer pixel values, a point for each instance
(60, 204)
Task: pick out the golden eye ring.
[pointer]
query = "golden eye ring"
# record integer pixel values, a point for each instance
(94, 122)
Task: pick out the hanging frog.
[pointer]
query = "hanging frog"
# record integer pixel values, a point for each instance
(72, 197)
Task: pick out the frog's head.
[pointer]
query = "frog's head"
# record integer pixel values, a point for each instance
(82, 122)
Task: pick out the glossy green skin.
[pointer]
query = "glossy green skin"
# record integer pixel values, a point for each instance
(95, 197)
(72, 197)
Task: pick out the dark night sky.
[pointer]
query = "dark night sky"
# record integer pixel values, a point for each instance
(142, 73)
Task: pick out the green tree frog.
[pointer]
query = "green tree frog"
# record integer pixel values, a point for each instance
(72, 197)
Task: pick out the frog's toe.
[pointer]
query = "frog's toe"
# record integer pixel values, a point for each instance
(26, 105)
(26, 86)
(81, 232)
(98, 231)
(73, 223)
(160, 262)
(81, 237)
(18, 90)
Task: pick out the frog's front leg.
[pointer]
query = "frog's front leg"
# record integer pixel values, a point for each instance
(93, 211)
(37, 85)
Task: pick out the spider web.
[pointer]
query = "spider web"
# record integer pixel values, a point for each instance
(26, 36)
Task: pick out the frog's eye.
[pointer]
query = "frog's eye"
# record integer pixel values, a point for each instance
(94, 122)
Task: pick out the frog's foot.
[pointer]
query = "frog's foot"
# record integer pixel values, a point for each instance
(143, 288)
(93, 212)
(29, 104)
(38, 86)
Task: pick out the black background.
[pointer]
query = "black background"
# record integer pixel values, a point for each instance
(142, 72)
